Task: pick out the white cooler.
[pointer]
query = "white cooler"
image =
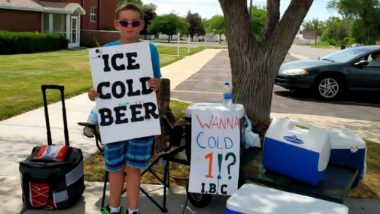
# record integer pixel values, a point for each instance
(251, 198)
(297, 150)
(348, 149)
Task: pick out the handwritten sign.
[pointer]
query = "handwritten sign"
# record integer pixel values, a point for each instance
(215, 152)
(127, 107)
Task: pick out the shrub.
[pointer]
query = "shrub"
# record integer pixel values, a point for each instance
(348, 41)
(323, 44)
(28, 42)
(332, 42)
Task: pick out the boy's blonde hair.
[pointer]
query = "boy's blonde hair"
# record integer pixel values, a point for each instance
(129, 6)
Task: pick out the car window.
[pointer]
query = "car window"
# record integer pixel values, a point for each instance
(344, 55)
(366, 57)
(373, 62)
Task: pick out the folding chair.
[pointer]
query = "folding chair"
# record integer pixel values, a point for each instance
(166, 147)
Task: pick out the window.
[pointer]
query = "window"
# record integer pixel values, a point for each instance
(59, 23)
(93, 14)
(45, 23)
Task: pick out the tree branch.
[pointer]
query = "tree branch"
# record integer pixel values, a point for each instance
(287, 28)
(236, 18)
(273, 16)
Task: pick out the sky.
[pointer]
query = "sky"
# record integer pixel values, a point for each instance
(209, 8)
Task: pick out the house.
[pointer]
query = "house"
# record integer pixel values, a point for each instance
(309, 35)
(80, 21)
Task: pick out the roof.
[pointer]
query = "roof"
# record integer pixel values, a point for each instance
(367, 47)
(42, 6)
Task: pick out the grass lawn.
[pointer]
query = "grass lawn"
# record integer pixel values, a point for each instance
(171, 50)
(369, 187)
(22, 75)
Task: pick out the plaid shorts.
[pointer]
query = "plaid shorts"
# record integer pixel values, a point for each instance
(135, 153)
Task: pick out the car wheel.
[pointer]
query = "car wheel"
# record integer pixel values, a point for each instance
(329, 87)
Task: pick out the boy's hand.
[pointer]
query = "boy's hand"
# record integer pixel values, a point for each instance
(154, 84)
(92, 94)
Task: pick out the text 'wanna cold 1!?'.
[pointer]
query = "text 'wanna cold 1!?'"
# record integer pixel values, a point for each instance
(215, 152)
(127, 107)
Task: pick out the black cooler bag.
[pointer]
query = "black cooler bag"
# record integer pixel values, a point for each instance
(52, 176)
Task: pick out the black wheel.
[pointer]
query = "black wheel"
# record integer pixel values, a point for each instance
(199, 200)
(329, 87)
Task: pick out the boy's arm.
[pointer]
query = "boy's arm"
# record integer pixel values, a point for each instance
(155, 61)
(92, 94)
(154, 83)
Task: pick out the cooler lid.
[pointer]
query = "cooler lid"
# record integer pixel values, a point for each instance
(214, 106)
(345, 139)
(251, 198)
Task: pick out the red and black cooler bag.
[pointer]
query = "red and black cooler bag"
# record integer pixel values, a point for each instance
(52, 177)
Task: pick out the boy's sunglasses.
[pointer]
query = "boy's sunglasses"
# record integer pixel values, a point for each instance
(126, 23)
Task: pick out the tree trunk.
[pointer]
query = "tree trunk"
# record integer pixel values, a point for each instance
(169, 38)
(254, 64)
(253, 79)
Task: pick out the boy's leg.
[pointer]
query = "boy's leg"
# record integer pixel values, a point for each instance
(133, 187)
(137, 157)
(116, 181)
(114, 154)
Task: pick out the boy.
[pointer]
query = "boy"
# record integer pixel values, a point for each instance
(131, 155)
(375, 59)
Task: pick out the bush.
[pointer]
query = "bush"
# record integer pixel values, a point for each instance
(28, 42)
(92, 43)
(332, 42)
(348, 41)
(323, 44)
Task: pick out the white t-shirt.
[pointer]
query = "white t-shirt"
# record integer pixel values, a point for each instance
(374, 62)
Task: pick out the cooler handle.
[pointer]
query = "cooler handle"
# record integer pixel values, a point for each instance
(61, 88)
(299, 126)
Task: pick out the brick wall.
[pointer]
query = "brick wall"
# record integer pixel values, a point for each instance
(20, 21)
(85, 19)
(90, 37)
(309, 35)
(107, 15)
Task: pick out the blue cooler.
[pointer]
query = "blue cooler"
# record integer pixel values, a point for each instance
(296, 150)
(347, 149)
(211, 106)
(251, 198)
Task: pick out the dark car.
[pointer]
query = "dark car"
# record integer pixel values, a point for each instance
(352, 69)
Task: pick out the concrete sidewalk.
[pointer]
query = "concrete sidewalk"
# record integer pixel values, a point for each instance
(19, 134)
(180, 71)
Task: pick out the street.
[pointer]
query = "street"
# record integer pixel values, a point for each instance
(207, 86)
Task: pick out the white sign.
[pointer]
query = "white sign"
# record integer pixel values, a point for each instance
(215, 152)
(127, 107)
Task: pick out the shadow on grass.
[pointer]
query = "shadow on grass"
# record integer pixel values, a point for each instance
(369, 187)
